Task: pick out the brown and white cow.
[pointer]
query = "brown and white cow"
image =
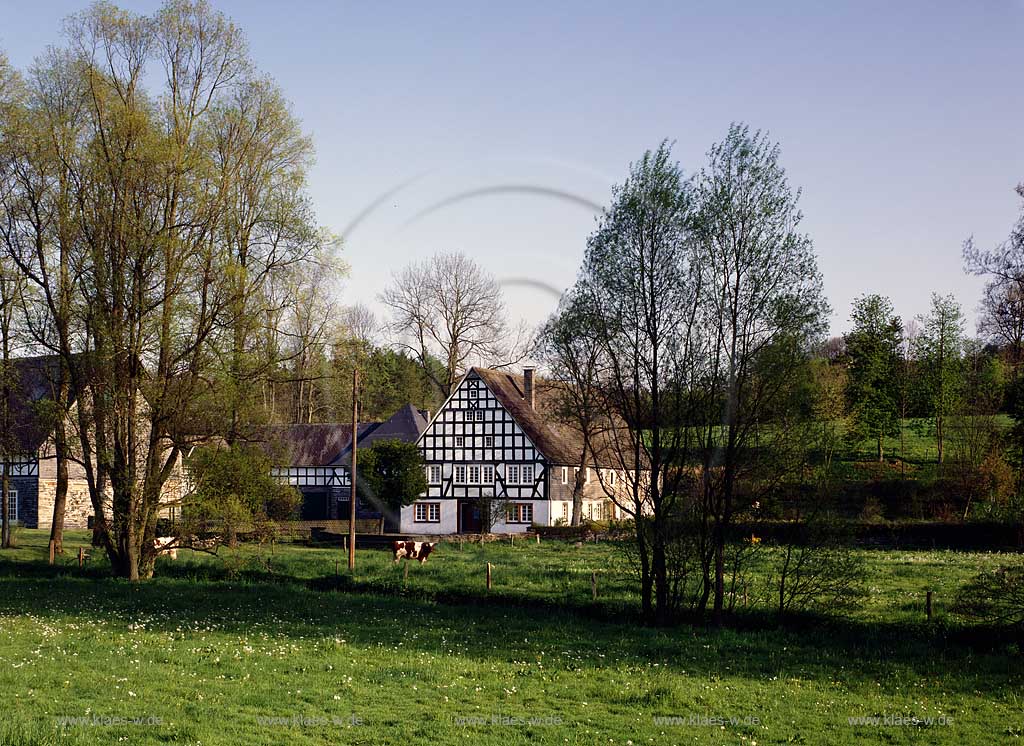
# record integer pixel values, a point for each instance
(413, 550)
(166, 545)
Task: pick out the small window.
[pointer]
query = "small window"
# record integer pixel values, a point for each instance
(474, 474)
(519, 513)
(428, 512)
(488, 441)
(12, 505)
(612, 475)
(528, 474)
(479, 415)
(488, 474)
(474, 393)
(460, 441)
(512, 474)
(565, 475)
(434, 474)
(587, 479)
(565, 511)
(460, 474)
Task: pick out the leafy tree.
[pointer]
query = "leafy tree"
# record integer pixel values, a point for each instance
(639, 293)
(163, 225)
(872, 348)
(939, 351)
(392, 472)
(975, 435)
(233, 490)
(763, 310)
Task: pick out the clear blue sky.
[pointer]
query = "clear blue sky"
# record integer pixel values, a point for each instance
(901, 122)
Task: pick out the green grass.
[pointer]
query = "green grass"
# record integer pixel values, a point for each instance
(214, 646)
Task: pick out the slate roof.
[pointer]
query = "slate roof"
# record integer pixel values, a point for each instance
(560, 443)
(33, 383)
(331, 443)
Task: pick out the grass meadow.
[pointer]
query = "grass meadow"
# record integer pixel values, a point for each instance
(258, 647)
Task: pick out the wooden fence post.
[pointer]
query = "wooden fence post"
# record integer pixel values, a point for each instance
(512, 539)
(488, 576)
(406, 574)
(928, 605)
(81, 556)
(538, 538)
(593, 585)
(53, 546)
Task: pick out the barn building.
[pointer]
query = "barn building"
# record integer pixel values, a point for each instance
(31, 463)
(317, 460)
(498, 460)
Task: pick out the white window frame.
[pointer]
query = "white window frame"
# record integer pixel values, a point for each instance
(565, 475)
(479, 415)
(474, 393)
(460, 441)
(12, 505)
(512, 473)
(460, 474)
(474, 474)
(434, 474)
(487, 474)
(488, 441)
(427, 513)
(526, 473)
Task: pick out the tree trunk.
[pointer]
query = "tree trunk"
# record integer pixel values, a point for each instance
(881, 451)
(646, 584)
(60, 496)
(660, 572)
(717, 613)
(5, 524)
(578, 487)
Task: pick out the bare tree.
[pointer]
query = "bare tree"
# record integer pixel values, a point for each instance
(362, 324)
(1002, 306)
(448, 307)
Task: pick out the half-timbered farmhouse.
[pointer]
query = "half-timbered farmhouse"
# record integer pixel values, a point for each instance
(497, 460)
(317, 460)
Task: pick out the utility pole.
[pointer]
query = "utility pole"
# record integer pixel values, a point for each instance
(352, 473)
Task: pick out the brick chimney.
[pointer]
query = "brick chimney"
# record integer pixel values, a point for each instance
(528, 387)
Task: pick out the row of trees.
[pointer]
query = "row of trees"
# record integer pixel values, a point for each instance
(158, 241)
(691, 354)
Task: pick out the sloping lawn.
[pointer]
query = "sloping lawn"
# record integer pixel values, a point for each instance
(227, 651)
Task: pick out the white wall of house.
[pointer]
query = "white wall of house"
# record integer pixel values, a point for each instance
(448, 515)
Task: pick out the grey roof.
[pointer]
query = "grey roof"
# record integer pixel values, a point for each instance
(32, 387)
(331, 443)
